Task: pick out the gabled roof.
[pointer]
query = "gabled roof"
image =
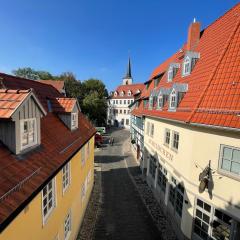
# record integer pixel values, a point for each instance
(10, 101)
(64, 105)
(125, 88)
(213, 96)
(58, 84)
(23, 176)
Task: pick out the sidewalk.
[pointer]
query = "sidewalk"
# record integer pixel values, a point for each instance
(163, 224)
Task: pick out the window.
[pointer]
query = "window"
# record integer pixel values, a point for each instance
(152, 130)
(124, 102)
(74, 120)
(170, 74)
(124, 111)
(173, 99)
(148, 128)
(127, 121)
(67, 226)
(131, 101)
(128, 111)
(167, 136)
(156, 81)
(175, 142)
(128, 102)
(162, 179)
(113, 101)
(83, 155)
(120, 101)
(152, 166)
(129, 93)
(28, 133)
(150, 102)
(115, 93)
(116, 101)
(145, 103)
(120, 110)
(122, 93)
(160, 101)
(176, 194)
(230, 160)
(122, 121)
(66, 176)
(48, 199)
(186, 66)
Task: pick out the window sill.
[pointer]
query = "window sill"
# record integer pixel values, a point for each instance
(65, 189)
(174, 150)
(228, 174)
(166, 145)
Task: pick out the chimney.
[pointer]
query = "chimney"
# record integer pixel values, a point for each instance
(193, 35)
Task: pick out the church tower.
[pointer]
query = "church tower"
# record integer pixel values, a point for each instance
(127, 80)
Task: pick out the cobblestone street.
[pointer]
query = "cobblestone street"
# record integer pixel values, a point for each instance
(116, 209)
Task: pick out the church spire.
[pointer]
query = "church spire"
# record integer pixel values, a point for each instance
(129, 72)
(128, 77)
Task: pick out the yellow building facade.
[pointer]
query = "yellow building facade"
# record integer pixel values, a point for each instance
(70, 202)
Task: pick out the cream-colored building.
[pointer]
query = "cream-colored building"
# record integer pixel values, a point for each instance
(191, 111)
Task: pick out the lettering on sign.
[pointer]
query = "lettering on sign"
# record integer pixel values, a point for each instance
(161, 150)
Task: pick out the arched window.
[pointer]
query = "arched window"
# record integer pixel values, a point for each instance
(122, 93)
(129, 93)
(170, 74)
(173, 99)
(187, 66)
(115, 93)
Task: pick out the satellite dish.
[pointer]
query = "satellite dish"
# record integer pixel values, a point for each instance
(203, 185)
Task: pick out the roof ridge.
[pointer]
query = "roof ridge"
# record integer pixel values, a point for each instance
(225, 48)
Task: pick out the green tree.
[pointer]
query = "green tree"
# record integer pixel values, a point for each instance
(32, 74)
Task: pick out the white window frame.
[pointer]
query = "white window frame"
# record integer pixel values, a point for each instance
(152, 129)
(46, 196)
(187, 66)
(122, 93)
(173, 140)
(67, 225)
(115, 94)
(66, 176)
(160, 105)
(74, 120)
(170, 73)
(27, 133)
(220, 162)
(129, 93)
(165, 136)
(173, 100)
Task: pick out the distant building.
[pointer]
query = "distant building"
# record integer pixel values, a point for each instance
(119, 100)
(189, 116)
(58, 84)
(46, 161)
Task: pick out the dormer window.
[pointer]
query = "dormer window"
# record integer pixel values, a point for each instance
(115, 94)
(173, 100)
(151, 102)
(28, 133)
(74, 120)
(129, 93)
(172, 71)
(186, 66)
(189, 62)
(122, 93)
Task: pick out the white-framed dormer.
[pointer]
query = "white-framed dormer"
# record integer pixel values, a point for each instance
(74, 120)
(129, 92)
(172, 71)
(122, 93)
(160, 101)
(189, 62)
(28, 133)
(115, 93)
(173, 100)
(186, 66)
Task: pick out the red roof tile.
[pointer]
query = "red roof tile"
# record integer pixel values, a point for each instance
(125, 88)
(213, 96)
(58, 84)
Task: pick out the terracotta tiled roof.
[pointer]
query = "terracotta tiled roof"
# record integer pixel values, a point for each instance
(10, 100)
(23, 176)
(213, 96)
(125, 88)
(58, 84)
(42, 91)
(63, 104)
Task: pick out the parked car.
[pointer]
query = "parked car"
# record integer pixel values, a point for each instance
(98, 140)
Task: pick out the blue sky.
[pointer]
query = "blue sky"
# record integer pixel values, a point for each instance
(93, 38)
